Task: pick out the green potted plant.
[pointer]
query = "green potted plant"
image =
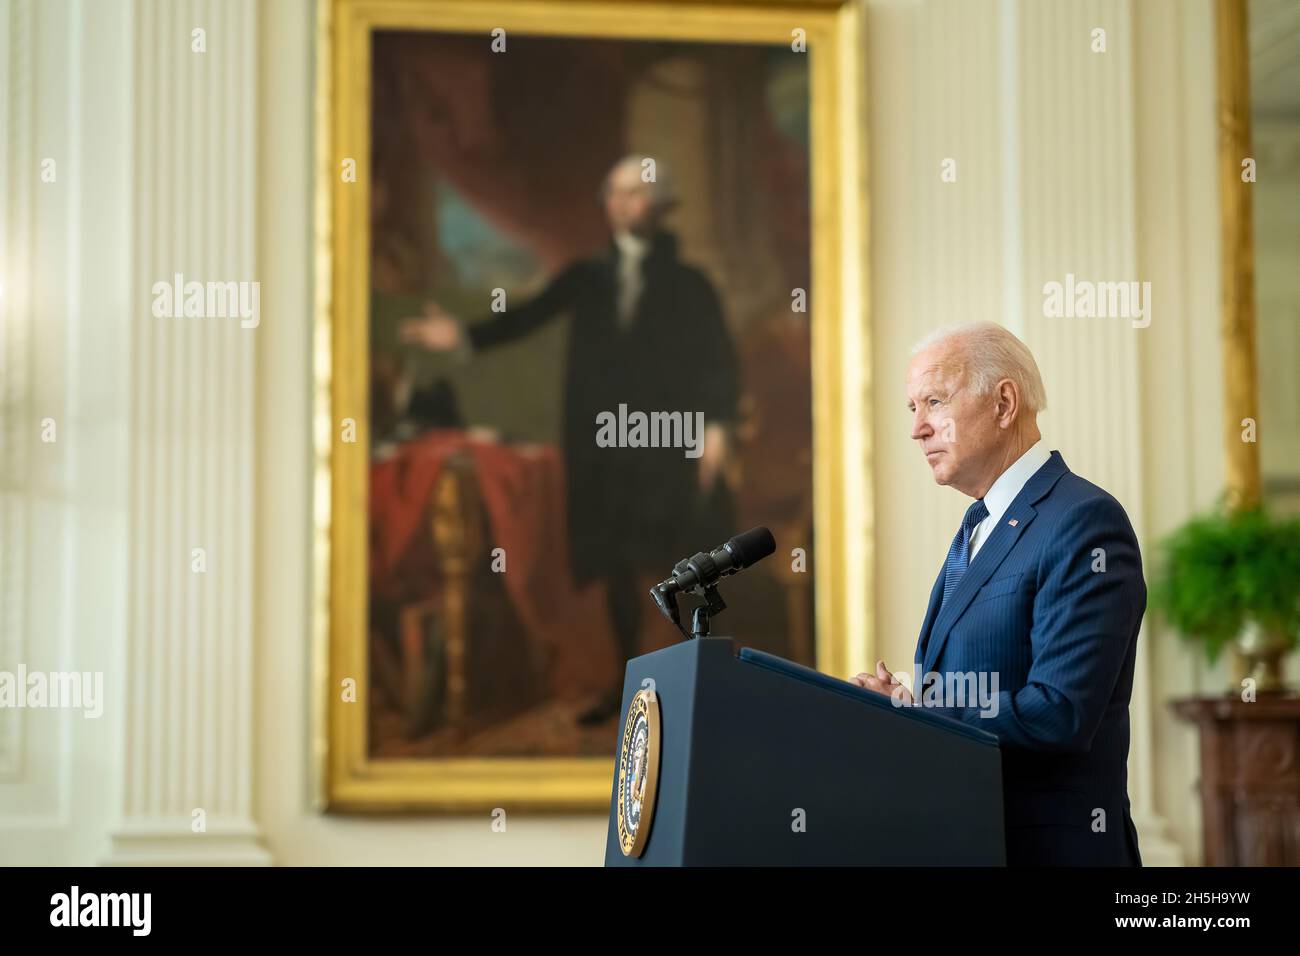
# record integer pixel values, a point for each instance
(1232, 579)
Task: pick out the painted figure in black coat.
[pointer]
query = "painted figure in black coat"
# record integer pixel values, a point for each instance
(647, 334)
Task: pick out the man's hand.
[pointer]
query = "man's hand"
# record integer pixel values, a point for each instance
(437, 330)
(883, 682)
(713, 456)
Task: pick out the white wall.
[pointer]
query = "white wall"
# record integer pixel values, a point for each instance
(63, 339)
(1067, 161)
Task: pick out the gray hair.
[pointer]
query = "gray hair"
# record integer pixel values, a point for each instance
(990, 353)
(663, 188)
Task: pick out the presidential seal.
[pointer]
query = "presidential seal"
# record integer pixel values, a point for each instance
(638, 772)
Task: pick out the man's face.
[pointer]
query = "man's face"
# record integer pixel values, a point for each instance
(628, 204)
(957, 430)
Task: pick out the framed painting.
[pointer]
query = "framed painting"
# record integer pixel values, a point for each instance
(591, 292)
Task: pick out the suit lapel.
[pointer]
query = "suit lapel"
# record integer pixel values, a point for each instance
(992, 553)
(931, 612)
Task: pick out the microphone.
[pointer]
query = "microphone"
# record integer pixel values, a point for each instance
(696, 573)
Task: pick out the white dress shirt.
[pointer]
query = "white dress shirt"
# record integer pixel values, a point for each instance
(632, 251)
(999, 497)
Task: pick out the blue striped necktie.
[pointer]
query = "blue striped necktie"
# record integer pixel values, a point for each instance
(959, 554)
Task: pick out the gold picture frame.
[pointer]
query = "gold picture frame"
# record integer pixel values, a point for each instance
(1237, 253)
(348, 778)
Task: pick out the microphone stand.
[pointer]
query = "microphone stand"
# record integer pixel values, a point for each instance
(700, 617)
(713, 605)
(740, 552)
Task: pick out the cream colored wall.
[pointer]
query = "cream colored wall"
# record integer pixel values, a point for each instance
(63, 332)
(1276, 143)
(1099, 164)
(1183, 460)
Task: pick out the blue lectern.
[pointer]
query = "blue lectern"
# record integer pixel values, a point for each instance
(764, 762)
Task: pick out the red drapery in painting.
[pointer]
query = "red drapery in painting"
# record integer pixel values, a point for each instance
(523, 493)
(529, 156)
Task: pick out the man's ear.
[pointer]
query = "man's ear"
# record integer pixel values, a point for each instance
(1008, 406)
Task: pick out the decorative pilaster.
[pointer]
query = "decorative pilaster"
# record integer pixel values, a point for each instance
(188, 753)
(1078, 179)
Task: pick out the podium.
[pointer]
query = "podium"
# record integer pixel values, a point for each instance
(765, 762)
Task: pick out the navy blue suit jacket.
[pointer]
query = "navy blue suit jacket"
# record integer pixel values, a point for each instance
(1051, 602)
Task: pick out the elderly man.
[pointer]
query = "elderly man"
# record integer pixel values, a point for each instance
(647, 332)
(1042, 588)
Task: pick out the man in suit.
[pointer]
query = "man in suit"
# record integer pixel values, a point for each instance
(1042, 589)
(647, 332)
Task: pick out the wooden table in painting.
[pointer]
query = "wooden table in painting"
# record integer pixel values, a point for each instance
(456, 523)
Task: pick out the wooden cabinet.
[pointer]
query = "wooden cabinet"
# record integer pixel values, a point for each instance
(1250, 778)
